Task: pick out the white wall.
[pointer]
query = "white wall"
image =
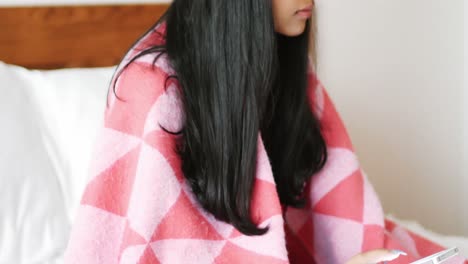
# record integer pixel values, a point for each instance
(395, 70)
(465, 98)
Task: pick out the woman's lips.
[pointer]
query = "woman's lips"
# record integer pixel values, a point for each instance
(305, 12)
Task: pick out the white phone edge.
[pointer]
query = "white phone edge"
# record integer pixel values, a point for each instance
(439, 257)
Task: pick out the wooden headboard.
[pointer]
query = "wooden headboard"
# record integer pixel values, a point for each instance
(72, 36)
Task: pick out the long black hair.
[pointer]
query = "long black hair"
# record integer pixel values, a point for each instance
(240, 78)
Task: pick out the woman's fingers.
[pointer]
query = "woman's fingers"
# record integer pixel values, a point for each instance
(375, 256)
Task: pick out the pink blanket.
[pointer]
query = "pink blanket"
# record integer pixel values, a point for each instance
(137, 207)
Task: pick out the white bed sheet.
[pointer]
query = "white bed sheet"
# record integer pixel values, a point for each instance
(446, 241)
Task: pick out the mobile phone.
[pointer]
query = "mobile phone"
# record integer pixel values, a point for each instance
(439, 257)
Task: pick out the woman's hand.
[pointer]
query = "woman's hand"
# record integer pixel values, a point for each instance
(375, 256)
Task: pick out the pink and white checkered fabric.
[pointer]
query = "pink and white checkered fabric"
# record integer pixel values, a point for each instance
(138, 208)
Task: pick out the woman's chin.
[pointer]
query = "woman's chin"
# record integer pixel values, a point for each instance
(293, 30)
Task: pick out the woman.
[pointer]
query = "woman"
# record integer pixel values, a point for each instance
(236, 86)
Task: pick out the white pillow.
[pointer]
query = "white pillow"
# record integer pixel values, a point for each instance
(49, 121)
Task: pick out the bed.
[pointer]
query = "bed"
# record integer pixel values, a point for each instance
(43, 163)
(55, 66)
